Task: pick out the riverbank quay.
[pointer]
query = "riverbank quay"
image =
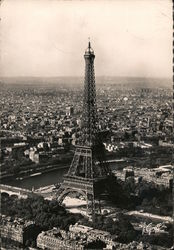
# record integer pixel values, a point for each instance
(38, 168)
(151, 216)
(32, 172)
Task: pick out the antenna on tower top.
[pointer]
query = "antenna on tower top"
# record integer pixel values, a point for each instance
(89, 44)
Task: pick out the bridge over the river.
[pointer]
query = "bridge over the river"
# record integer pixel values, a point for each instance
(20, 192)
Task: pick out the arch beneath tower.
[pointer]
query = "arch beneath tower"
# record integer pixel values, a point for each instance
(67, 191)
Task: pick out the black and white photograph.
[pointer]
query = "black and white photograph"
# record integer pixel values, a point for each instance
(86, 131)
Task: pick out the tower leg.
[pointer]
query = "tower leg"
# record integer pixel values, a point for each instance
(99, 206)
(93, 209)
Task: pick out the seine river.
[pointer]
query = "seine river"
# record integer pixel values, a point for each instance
(38, 181)
(41, 180)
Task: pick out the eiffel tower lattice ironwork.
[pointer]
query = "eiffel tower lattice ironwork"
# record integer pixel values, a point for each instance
(87, 172)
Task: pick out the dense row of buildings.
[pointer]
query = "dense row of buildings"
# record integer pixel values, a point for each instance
(18, 229)
(44, 123)
(78, 237)
(162, 175)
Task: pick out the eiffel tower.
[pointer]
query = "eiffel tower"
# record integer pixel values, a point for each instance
(88, 172)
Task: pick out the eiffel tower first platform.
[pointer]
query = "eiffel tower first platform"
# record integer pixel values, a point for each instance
(88, 173)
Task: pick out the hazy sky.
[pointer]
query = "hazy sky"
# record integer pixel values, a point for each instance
(49, 37)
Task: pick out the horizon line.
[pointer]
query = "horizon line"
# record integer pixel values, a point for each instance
(27, 76)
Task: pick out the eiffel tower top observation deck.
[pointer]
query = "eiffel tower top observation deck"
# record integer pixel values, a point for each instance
(89, 116)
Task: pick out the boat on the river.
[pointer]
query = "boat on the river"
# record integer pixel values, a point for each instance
(35, 174)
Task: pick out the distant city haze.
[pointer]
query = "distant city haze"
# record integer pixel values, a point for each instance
(48, 38)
